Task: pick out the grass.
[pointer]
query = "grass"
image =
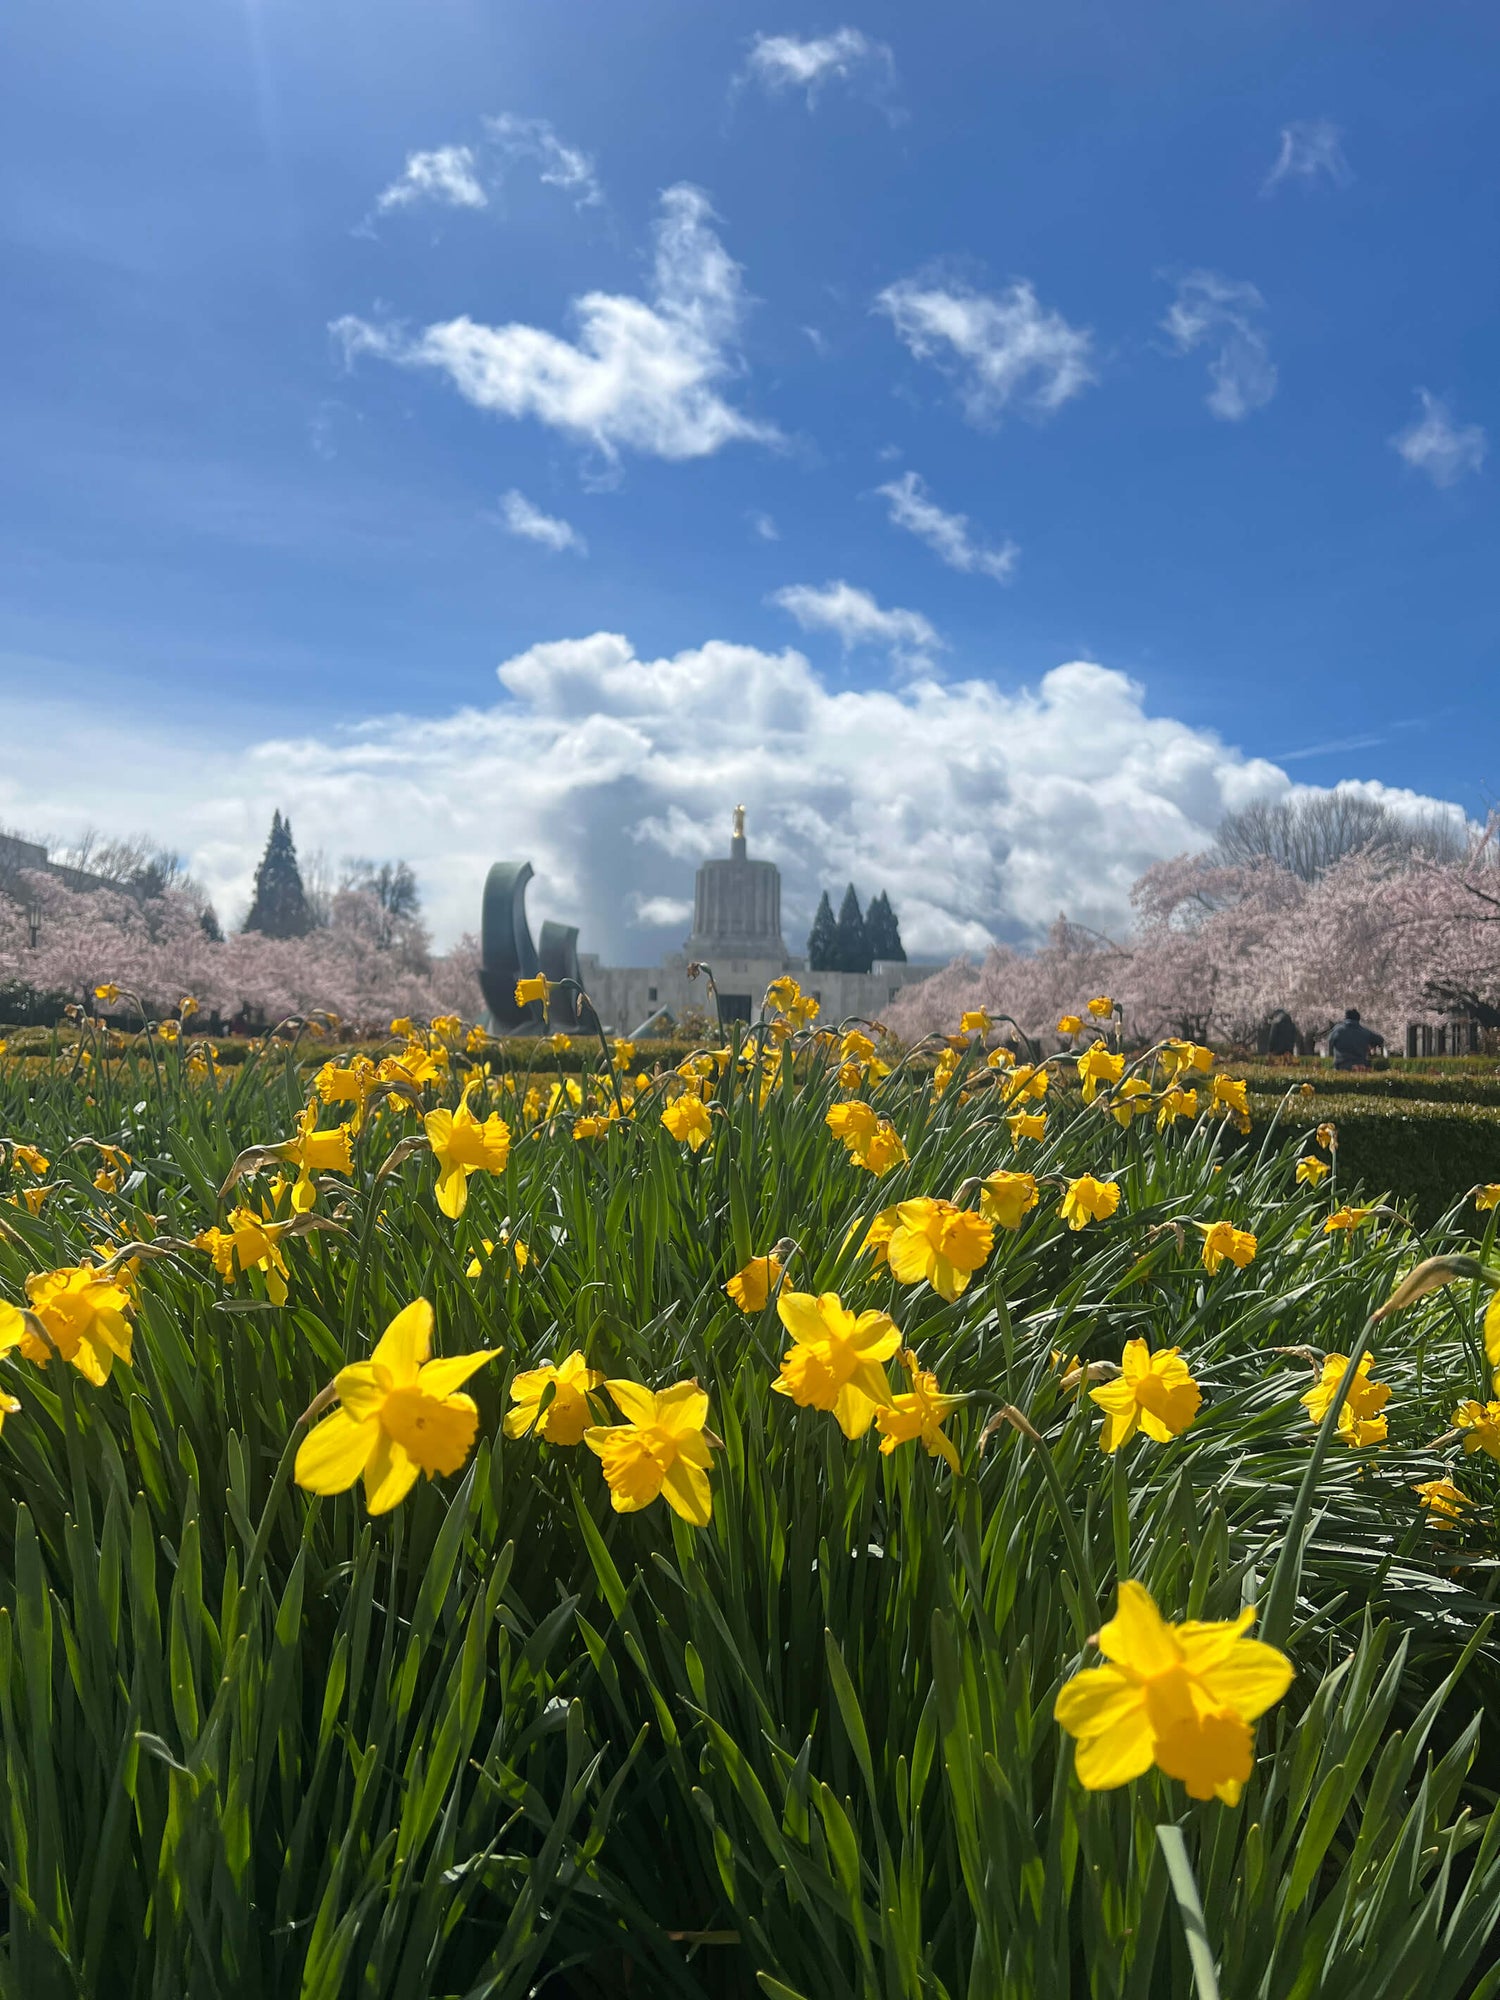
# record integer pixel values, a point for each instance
(506, 1741)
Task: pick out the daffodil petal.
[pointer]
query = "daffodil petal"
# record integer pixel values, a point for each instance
(440, 1378)
(1137, 1636)
(334, 1453)
(686, 1490)
(390, 1474)
(406, 1343)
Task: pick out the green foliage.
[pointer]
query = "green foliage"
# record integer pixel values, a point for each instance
(279, 906)
(822, 939)
(505, 1741)
(1427, 1156)
(851, 946)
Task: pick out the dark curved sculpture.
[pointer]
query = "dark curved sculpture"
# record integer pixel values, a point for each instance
(557, 955)
(507, 953)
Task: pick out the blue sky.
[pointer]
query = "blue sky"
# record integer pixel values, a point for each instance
(1032, 344)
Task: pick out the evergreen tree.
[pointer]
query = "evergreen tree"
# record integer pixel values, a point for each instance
(883, 932)
(208, 923)
(280, 906)
(822, 939)
(851, 946)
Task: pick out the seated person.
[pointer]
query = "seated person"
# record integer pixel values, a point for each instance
(1351, 1043)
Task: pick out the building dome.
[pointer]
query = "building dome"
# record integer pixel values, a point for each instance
(737, 905)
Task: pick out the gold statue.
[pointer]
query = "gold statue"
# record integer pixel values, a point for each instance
(739, 822)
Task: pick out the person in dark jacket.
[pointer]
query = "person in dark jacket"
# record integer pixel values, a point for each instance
(1351, 1044)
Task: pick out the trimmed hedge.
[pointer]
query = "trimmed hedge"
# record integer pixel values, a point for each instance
(1425, 1155)
(1480, 1084)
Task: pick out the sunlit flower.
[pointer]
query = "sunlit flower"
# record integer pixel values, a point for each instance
(937, 1241)
(475, 1041)
(835, 1361)
(590, 1127)
(1000, 1058)
(919, 1413)
(1181, 1697)
(402, 1025)
(1006, 1197)
(1311, 1170)
(567, 1090)
(1102, 1007)
(1442, 1501)
(560, 1043)
(944, 1070)
(1176, 1055)
(1088, 1200)
(568, 1413)
(1070, 1024)
(1347, 1219)
(462, 1145)
(1480, 1423)
(1154, 1393)
(250, 1243)
(28, 1157)
(31, 1198)
(784, 996)
(517, 1248)
(1176, 1103)
(109, 993)
(689, 1119)
(1221, 1240)
(624, 1054)
(349, 1083)
(1360, 1421)
(314, 1152)
(877, 1238)
(529, 990)
(1027, 1080)
(974, 1022)
(169, 1031)
(856, 1047)
(82, 1314)
(1130, 1101)
(1026, 1125)
(661, 1448)
(1095, 1066)
(9, 1405)
(1328, 1138)
(187, 1005)
(754, 1283)
(399, 1415)
(1231, 1099)
(1488, 1196)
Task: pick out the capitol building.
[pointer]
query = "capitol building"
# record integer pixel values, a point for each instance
(736, 932)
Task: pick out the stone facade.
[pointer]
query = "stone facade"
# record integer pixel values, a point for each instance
(736, 931)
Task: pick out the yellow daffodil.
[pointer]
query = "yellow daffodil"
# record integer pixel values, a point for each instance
(1088, 1200)
(169, 1031)
(31, 1198)
(944, 1070)
(624, 1054)
(463, 1144)
(1154, 1393)
(82, 1316)
(974, 1022)
(349, 1083)
(877, 1238)
(314, 1152)
(1001, 1058)
(919, 1413)
(1328, 1138)
(937, 1241)
(1026, 1125)
(1181, 1697)
(1360, 1421)
(518, 1251)
(1347, 1220)
(754, 1283)
(109, 993)
(400, 1414)
(661, 1448)
(1176, 1055)
(1231, 1100)
(1175, 1103)
(835, 1360)
(249, 1244)
(1102, 1007)
(689, 1120)
(1130, 1101)
(590, 1127)
(567, 1415)
(1005, 1198)
(1442, 1502)
(475, 1041)
(449, 1026)
(9, 1405)
(1095, 1066)
(1221, 1240)
(28, 1157)
(1480, 1423)
(1027, 1080)
(1488, 1196)
(560, 1043)
(1070, 1024)
(187, 1005)
(402, 1025)
(883, 1150)
(1311, 1170)
(530, 990)
(567, 1090)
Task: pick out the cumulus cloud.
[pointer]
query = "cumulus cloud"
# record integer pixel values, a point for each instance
(947, 535)
(1223, 313)
(1312, 150)
(558, 165)
(1002, 349)
(785, 62)
(518, 516)
(855, 619)
(1434, 444)
(643, 377)
(983, 810)
(448, 176)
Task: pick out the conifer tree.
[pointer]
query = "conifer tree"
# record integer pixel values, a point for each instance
(851, 946)
(822, 939)
(883, 932)
(279, 909)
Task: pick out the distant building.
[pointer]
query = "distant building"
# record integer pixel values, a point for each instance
(737, 932)
(28, 857)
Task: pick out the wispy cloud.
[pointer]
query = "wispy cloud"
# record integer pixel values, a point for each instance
(1223, 313)
(855, 619)
(1003, 349)
(765, 527)
(518, 516)
(447, 176)
(1434, 444)
(786, 62)
(641, 376)
(947, 535)
(559, 165)
(1312, 150)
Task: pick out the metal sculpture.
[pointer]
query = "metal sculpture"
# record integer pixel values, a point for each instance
(508, 954)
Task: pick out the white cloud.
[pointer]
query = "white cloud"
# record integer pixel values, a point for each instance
(783, 62)
(448, 175)
(519, 517)
(947, 535)
(765, 527)
(1223, 312)
(854, 617)
(561, 166)
(984, 810)
(1311, 150)
(1004, 349)
(641, 376)
(1434, 444)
